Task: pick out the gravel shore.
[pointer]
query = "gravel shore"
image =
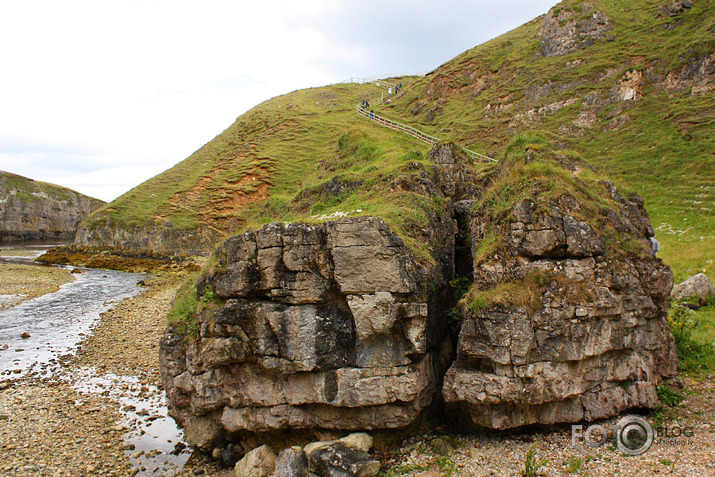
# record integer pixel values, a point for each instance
(503, 454)
(100, 412)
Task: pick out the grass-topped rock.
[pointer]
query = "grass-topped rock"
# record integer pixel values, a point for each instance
(33, 210)
(566, 318)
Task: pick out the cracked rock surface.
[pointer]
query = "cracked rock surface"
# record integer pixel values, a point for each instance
(322, 326)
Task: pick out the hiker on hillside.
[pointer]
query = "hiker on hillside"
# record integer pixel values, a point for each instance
(389, 91)
(654, 245)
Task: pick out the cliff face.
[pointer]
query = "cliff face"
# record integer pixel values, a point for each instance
(161, 240)
(338, 326)
(36, 210)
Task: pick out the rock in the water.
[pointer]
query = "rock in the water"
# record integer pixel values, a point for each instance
(292, 463)
(260, 462)
(697, 286)
(338, 460)
(25, 335)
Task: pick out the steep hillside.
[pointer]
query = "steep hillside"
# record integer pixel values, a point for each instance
(38, 210)
(629, 85)
(298, 156)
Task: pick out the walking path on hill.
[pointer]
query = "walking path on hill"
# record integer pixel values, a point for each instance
(388, 123)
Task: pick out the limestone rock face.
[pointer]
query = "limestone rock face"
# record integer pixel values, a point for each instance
(585, 335)
(162, 239)
(565, 31)
(35, 210)
(323, 326)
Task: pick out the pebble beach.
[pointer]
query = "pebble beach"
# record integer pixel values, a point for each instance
(101, 413)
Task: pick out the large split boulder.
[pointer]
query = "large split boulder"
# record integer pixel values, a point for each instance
(337, 327)
(324, 326)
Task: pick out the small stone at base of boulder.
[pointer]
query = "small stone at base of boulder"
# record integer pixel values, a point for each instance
(292, 463)
(357, 440)
(260, 462)
(339, 460)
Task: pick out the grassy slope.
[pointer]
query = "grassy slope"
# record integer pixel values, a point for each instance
(666, 153)
(25, 188)
(254, 171)
(273, 164)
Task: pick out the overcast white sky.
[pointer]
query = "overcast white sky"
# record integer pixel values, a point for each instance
(100, 95)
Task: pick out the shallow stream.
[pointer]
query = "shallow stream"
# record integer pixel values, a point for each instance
(53, 327)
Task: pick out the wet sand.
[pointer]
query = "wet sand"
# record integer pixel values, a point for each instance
(19, 283)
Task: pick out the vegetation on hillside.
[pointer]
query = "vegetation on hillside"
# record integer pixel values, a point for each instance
(306, 155)
(659, 143)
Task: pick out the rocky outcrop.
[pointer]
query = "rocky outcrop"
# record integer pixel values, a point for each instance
(565, 30)
(677, 7)
(327, 326)
(562, 326)
(157, 240)
(337, 326)
(36, 210)
(698, 75)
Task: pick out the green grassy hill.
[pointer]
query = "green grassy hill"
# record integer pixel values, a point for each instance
(638, 104)
(299, 156)
(632, 92)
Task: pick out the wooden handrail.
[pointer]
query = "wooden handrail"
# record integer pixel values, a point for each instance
(388, 123)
